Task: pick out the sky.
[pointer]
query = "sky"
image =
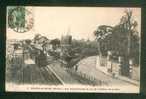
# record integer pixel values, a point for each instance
(80, 22)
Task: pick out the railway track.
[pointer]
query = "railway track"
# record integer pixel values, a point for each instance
(72, 74)
(31, 74)
(50, 76)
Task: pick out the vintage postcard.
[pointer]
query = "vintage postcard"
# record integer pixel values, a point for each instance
(73, 49)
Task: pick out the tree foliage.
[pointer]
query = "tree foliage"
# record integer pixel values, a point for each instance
(123, 39)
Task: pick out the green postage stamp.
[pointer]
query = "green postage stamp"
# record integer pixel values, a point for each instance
(20, 19)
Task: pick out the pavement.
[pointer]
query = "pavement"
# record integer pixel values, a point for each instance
(101, 73)
(126, 79)
(120, 77)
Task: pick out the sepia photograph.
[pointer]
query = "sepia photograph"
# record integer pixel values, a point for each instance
(73, 49)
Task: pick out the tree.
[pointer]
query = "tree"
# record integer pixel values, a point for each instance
(37, 37)
(127, 28)
(101, 33)
(55, 43)
(129, 24)
(16, 46)
(28, 42)
(124, 39)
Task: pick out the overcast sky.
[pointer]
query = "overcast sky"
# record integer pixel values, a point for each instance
(80, 21)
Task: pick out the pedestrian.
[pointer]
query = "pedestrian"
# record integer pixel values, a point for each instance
(76, 67)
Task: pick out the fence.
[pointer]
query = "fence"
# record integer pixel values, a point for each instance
(90, 79)
(119, 69)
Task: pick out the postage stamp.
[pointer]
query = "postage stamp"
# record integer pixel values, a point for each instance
(20, 19)
(73, 49)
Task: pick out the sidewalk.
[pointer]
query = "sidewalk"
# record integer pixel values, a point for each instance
(120, 77)
(88, 66)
